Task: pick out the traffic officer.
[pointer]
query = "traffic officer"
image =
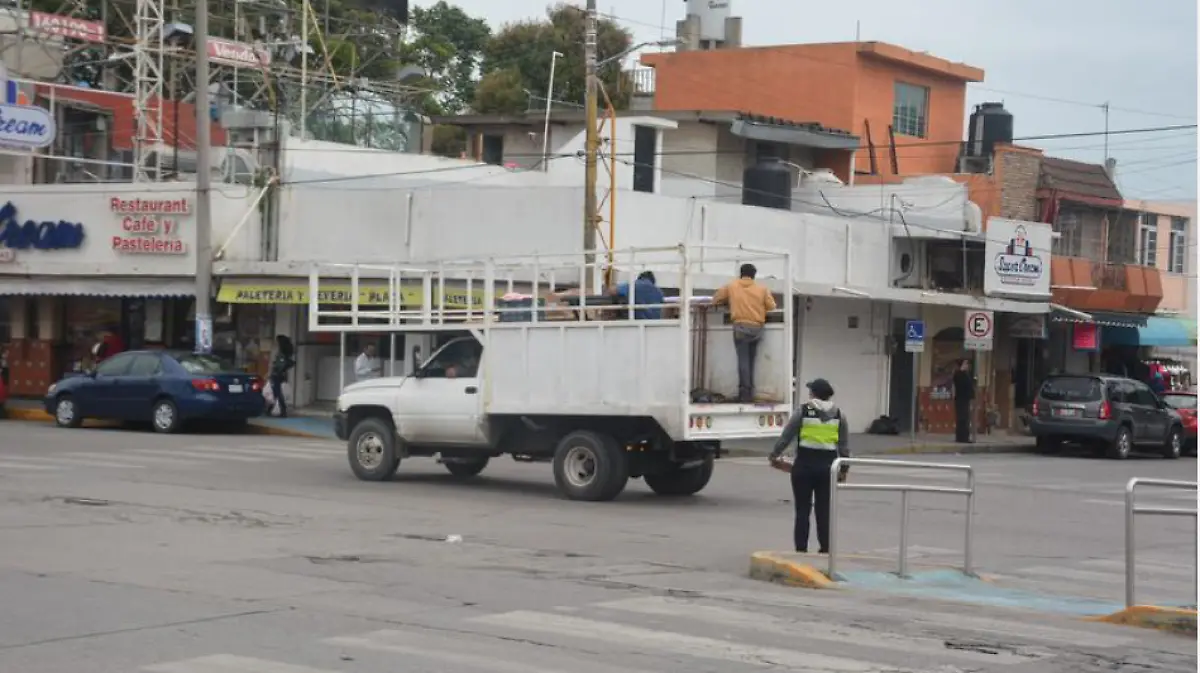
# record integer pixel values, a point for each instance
(819, 429)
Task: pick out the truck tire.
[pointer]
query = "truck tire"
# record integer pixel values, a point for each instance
(590, 466)
(466, 468)
(372, 450)
(681, 482)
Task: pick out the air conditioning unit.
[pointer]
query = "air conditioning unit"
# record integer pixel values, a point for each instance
(909, 264)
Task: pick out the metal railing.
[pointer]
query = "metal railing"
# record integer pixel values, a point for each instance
(1131, 511)
(904, 489)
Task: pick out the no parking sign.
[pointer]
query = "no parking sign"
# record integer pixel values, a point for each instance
(978, 330)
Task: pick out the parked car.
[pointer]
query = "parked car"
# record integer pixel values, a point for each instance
(1185, 405)
(166, 388)
(1111, 414)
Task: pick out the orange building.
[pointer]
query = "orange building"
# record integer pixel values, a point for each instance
(906, 106)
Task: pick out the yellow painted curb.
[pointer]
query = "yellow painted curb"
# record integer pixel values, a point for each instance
(1174, 620)
(772, 567)
(257, 429)
(27, 414)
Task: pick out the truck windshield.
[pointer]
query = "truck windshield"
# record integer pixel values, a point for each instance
(1072, 389)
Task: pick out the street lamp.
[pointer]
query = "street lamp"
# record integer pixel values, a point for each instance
(546, 127)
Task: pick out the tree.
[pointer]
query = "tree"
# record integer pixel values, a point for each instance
(526, 47)
(501, 92)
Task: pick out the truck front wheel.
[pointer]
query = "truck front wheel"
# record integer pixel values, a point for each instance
(689, 481)
(590, 466)
(372, 450)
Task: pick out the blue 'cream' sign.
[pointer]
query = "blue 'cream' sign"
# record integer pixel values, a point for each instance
(33, 235)
(23, 126)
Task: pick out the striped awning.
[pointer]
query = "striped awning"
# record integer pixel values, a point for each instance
(1103, 318)
(104, 286)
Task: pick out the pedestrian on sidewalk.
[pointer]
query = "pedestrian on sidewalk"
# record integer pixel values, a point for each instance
(964, 392)
(282, 363)
(821, 435)
(367, 366)
(749, 303)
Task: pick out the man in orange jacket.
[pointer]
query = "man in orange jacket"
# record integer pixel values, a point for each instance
(748, 302)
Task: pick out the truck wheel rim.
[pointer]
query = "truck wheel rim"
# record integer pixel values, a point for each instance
(370, 450)
(163, 416)
(580, 466)
(65, 412)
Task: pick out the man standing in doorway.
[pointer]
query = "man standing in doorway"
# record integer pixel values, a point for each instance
(366, 365)
(749, 303)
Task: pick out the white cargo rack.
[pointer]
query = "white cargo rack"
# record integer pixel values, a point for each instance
(554, 347)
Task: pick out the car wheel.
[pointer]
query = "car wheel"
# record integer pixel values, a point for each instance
(590, 466)
(66, 414)
(1122, 444)
(1173, 447)
(371, 450)
(165, 416)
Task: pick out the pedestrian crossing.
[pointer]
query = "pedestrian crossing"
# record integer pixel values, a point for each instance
(1158, 581)
(135, 458)
(733, 631)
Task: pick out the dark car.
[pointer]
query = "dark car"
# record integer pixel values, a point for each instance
(1185, 405)
(166, 388)
(1111, 414)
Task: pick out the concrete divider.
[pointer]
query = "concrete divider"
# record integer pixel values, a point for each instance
(788, 569)
(1173, 620)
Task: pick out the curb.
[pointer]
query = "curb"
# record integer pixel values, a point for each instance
(27, 414)
(1172, 620)
(258, 429)
(771, 567)
(39, 416)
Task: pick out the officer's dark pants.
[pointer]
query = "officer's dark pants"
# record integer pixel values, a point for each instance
(962, 420)
(810, 487)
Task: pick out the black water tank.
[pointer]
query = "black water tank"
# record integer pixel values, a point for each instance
(990, 124)
(768, 184)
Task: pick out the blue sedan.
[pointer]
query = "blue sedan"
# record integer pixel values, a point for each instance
(166, 388)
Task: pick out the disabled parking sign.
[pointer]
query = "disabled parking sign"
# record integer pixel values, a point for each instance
(914, 336)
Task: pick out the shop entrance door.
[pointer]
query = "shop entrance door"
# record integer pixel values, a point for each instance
(900, 392)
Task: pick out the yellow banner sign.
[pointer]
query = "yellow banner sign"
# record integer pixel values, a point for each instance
(338, 294)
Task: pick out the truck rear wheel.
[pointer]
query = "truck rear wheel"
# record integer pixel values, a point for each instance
(372, 450)
(466, 468)
(688, 481)
(590, 466)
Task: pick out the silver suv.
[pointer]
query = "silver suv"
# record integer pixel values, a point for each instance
(1112, 414)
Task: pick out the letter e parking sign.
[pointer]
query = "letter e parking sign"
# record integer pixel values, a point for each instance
(978, 330)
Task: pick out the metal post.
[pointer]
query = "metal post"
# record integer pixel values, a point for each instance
(392, 354)
(969, 542)
(546, 126)
(591, 141)
(833, 517)
(903, 572)
(204, 256)
(916, 376)
(304, 70)
(1129, 543)
(341, 361)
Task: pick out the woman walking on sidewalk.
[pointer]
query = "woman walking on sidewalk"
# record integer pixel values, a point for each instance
(283, 362)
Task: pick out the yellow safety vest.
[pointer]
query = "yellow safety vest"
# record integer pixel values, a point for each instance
(817, 434)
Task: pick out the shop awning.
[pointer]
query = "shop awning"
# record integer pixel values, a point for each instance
(370, 293)
(1103, 318)
(1158, 331)
(104, 286)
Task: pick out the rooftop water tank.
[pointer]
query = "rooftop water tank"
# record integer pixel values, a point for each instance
(990, 124)
(712, 15)
(768, 184)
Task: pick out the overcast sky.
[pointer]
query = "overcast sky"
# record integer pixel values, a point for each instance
(1052, 63)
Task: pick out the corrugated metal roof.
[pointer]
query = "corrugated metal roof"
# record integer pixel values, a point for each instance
(1076, 177)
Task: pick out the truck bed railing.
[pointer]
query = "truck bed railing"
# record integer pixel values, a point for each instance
(568, 288)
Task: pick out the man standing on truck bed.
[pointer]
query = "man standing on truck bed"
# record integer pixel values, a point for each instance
(819, 429)
(749, 303)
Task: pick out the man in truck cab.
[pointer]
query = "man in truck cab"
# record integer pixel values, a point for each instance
(749, 303)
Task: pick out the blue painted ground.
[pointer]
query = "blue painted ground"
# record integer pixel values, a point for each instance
(954, 586)
(315, 426)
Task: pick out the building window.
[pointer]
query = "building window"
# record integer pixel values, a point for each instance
(645, 157)
(1178, 244)
(1148, 240)
(1069, 227)
(910, 113)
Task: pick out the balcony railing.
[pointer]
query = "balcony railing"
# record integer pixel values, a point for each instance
(1110, 276)
(1085, 285)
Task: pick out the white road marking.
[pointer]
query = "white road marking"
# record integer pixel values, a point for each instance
(260, 454)
(61, 462)
(118, 458)
(1150, 567)
(1111, 579)
(198, 456)
(677, 644)
(229, 663)
(12, 465)
(661, 606)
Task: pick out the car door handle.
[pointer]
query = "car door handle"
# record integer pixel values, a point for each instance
(471, 390)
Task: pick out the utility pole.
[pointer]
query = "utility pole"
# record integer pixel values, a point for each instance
(204, 254)
(592, 140)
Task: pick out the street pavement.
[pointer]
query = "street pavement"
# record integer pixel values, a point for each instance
(126, 551)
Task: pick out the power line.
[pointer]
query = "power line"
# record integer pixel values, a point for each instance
(1068, 101)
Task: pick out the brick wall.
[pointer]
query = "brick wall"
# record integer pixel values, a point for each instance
(1019, 171)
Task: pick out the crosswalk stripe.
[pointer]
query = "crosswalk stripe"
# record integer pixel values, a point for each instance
(678, 644)
(920, 613)
(63, 461)
(660, 606)
(1142, 566)
(260, 454)
(229, 663)
(118, 458)
(197, 456)
(1107, 581)
(13, 465)
(399, 642)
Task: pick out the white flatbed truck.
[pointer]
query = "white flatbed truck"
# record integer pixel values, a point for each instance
(602, 393)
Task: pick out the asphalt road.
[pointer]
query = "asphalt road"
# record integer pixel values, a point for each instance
(125, 551)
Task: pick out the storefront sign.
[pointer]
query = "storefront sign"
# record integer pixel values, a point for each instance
(338, 294)
(67, 26)
(32, 235)
(149, 226)
(1018, 255)
(237, 54)
(1085, 336)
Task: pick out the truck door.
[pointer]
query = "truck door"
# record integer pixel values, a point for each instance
(442, 404)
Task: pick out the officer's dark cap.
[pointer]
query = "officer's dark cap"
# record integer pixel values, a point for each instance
(820, 389)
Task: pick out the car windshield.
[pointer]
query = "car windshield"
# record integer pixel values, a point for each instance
(1072, 389)
(202, 364)
(1180, 401)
